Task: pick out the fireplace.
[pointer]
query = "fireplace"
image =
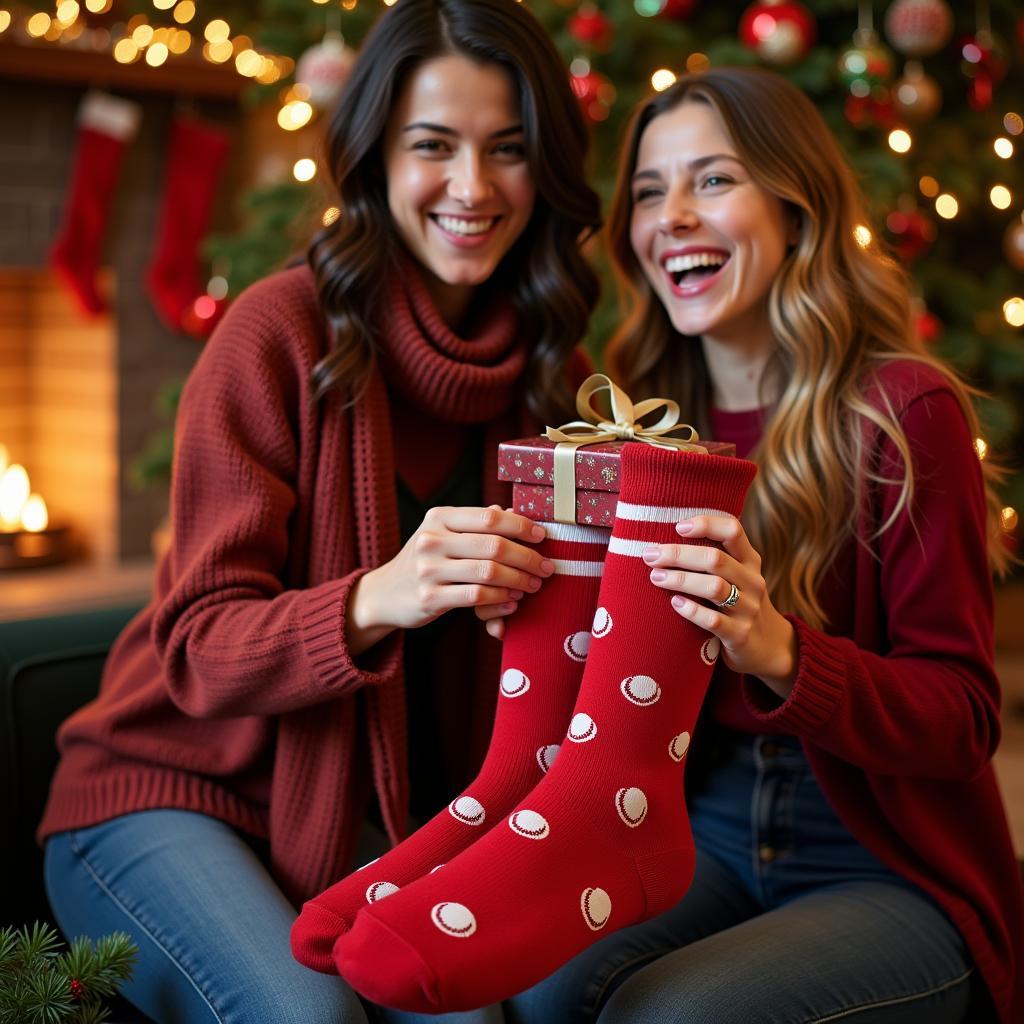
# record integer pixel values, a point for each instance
(78, 394)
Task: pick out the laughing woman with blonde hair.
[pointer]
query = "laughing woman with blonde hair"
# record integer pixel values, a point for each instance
(853, 857)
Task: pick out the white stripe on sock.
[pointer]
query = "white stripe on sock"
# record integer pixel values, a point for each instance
(661, 514)
(581, 534)
(633, 548)
(577, 567)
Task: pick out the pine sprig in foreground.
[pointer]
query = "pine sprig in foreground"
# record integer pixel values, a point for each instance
(39, 984)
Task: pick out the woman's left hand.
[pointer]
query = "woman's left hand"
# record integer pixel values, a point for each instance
(756, 639)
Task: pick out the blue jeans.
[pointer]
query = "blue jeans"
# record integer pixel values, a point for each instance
(210, 923)
(788, 921)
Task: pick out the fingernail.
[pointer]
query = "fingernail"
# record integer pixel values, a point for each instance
(651, 555)
(538, 533)
(547, 567)
(686, 526)
(509, 606)
(659, 576)
(534, 583)
(516, 595)
(682, 604)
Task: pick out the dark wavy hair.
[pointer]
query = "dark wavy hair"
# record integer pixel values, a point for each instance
(549, 282)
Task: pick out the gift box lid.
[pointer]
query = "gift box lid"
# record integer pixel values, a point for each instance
(531, 460)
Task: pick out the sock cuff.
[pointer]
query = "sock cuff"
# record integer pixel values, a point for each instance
(666, 478)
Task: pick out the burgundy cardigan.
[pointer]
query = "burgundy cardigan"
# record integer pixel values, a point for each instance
(897, 701)
(233, 692)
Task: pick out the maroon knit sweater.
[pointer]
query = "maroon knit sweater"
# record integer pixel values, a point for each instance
(233, 693)
(897, 702)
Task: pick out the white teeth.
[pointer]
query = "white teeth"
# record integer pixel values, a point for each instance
(458, 226)
(679, 264)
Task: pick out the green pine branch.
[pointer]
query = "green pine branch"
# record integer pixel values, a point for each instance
(40, 984)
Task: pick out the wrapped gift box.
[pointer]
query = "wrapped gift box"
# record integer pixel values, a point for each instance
(528, 463)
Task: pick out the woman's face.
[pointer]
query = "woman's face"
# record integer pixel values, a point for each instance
(709, 239)
(459, 187)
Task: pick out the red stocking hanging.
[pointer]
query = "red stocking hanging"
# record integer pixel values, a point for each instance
(195, 157)
(105, 126)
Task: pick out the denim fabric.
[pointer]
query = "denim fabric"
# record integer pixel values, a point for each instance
(211, 925)
(788, 921)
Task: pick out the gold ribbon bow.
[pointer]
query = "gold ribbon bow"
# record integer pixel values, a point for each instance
(623, 426)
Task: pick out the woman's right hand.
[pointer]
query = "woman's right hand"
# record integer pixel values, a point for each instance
(457, 558)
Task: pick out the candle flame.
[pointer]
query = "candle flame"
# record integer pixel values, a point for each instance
(20, 509)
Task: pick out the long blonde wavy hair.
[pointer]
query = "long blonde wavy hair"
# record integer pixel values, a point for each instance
(839, 311)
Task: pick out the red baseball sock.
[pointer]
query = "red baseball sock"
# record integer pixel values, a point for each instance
(105, 126)
(603, 841)
(195, 156)
(546, 643)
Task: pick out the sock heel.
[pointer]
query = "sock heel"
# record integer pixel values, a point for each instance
(665, 877)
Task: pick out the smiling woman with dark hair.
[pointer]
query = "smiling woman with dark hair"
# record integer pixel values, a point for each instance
(335, 524)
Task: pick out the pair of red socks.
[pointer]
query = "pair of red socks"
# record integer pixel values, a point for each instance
(542, 856)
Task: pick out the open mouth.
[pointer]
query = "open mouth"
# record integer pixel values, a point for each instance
(464, 227)
(693, 269)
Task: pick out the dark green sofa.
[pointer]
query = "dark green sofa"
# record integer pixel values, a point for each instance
(48, 668)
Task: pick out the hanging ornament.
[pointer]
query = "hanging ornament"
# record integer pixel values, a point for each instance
(1013, 243)
(780, 32)
(595, 93)
(324, 68)
(203, 315)
(916, 96)
(592, 28)
(919, 28)
(865, 69)
(928, 327)
(984, 60)
(678, 10)
(912, 233)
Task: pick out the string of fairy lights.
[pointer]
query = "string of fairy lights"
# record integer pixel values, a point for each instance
(180, 34)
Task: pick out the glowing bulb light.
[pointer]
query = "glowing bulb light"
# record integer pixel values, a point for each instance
(946, 206)
(1013, 311)
(67, 11)
(184, 12)
(98, 6)
(5, 20)
(662, 79)
(1009, 518)
(900, 141)
(1003, 147)
(217, 31)
(304, 169)
(156, 54)
(1000, 197)
(34, 516)
(294, 115)
(38, 25)
(14, 492)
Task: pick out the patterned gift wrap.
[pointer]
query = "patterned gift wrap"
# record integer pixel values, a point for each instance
(593, 508)
(529, 463)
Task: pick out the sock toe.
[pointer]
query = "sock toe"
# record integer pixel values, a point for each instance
(313, 936)
(382, 967)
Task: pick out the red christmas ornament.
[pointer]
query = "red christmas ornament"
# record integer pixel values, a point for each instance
(875, 109)
(678, 10)
(984, 63)
(77, 989)
(203, 315)
(778, 31)
(592, 28)
(595, 94)
(919, 28)
(928, 327)
(912, 233)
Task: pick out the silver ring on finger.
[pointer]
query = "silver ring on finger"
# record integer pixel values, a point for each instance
(732, 600)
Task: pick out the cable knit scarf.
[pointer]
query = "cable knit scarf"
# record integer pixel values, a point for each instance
(464, 380)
